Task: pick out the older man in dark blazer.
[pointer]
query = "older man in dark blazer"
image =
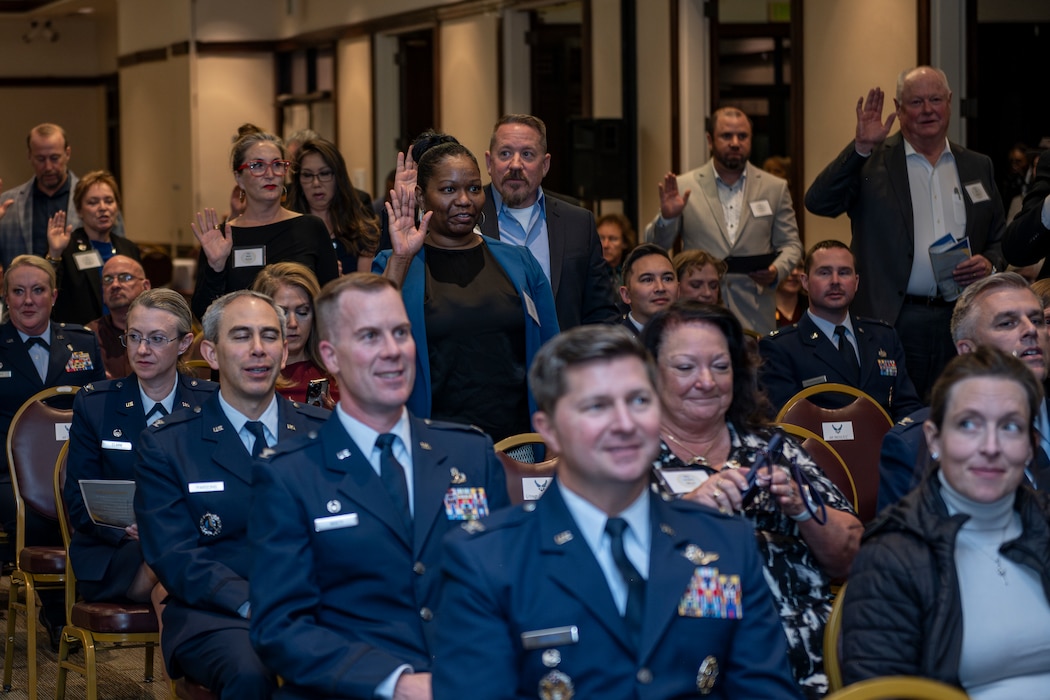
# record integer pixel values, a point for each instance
(601, 589)
(561, 236)
(194, 477)
(876, 179)
(347, 522)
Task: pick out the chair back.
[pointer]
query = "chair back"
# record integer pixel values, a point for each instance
(66, 527)
(854, 431)
(527, 479)
(34, 440)
(898, 688)
(825, 457)
(833, 640)
(199, 369)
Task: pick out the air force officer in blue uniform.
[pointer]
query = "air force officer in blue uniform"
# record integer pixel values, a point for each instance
(347, 532)
(194, 493)
(601, 589)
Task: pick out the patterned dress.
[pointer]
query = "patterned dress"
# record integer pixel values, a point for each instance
(800, 588)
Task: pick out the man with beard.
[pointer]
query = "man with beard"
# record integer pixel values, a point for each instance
(123, 279)
(829, 344)
(742, 215)
(561, 236)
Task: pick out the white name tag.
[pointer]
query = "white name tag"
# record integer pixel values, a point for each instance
(530, 307)
(249, 257)
(977, 192)
(335, 522)
(532, 487)
(116, 445)
(5, 375)
(88, 260)
(61, 432)
(761, 208)
(837, 431)
(207, 486)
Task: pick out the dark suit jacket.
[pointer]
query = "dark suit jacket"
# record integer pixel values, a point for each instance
(107, 420)
(1027, 240)
(800, 355)
(192, 504)
(530, 569)
(335, 611)
(579, 279)
(80, 291)
(874, 192)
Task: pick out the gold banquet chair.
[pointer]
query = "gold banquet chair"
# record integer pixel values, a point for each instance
(832, 638)
(825, 457)
(34, 440)
(898, 688)
(527, 479)
(93, 623)
(854, 431)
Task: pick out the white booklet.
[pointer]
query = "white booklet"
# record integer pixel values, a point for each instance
(109, 503)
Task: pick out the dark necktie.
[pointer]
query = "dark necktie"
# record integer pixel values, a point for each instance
(849, 357)
(635, 583)
(158, 411)
(37, 340)
(256, 429)
(392, 475)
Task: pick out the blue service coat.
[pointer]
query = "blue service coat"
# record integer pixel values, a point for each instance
(530, 569)
(341, 595)
(107, 422)
(800, 356)
(192, 503)
(527, 277)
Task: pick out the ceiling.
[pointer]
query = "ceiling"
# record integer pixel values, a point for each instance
(56, 8)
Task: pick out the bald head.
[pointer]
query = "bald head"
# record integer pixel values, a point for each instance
(123, 279)
(924, 107)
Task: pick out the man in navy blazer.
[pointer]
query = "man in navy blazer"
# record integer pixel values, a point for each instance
(810, 352)
(194, 478)
(601, 589)
(561, 236)
(347, 522)
(876, 180)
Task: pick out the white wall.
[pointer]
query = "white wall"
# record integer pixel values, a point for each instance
(354, 108)
(469, 83)
(654, 111)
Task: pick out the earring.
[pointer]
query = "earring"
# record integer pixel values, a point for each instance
(935, 455)
(241, 195)
(482, 221)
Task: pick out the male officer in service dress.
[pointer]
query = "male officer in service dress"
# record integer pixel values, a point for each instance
(829, 344)
(347, 523)
(194, 478)
(601, 589)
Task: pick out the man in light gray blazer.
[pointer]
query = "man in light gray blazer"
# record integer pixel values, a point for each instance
(740, 212)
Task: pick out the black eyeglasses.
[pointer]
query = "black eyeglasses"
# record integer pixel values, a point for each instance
(123, 278)
(324, 176)
(258, 167)
(157, 340)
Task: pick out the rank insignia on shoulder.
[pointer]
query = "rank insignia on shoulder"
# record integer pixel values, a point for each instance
(473, 526)
(712, 594)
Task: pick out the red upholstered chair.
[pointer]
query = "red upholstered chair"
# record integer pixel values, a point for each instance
(37, 433)
(855, 431)
(527, 479)
(127, 624)
(825, 456)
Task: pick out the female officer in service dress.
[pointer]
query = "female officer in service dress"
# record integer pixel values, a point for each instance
(36, 353)
(108, 418)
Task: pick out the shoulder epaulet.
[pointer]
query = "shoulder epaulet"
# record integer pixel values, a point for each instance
(457, 427)
(501, 520)
(182, 415)
(873, 321)
(784, 330)
(290, 445)
(75, 328)
(312, 411)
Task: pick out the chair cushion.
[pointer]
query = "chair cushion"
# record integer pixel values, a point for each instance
(42, 560)
(115, 618)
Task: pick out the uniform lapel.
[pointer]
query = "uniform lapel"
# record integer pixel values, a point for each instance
(227, 450)
(430, 481)
(867, 351)
(17, 357)
(60, 354)
(129, 407)
(823, 349)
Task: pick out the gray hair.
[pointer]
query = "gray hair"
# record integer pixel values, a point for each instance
(963, 316)
(213, 315)
(905, 73)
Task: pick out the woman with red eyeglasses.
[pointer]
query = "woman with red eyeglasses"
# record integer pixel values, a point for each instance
(265, 233)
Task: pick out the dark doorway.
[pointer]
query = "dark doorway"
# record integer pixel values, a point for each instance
(416, 59)
(557, 92)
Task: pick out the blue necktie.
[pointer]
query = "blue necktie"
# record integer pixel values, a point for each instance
(392, 475)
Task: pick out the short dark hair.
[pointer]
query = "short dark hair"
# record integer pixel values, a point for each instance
(435, 156)
(709, 123)
(326, 305)
(524, 119)
(830, 244)
(749, 407)
(578, 346)
(642, 251)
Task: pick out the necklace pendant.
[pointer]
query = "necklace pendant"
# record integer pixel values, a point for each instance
(700, 460)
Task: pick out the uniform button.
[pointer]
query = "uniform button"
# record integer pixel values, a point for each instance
(645, 676)
(426, 614)
(419, 568)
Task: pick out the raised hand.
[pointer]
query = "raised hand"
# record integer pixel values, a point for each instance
(405, 237)
(58, 234)
(216, 244)
(871, 130)
(405, 173)
(672, 203)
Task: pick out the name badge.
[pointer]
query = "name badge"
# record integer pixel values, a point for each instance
(254, 256)
(116, 445)
(206, 486)
(62, 431)
(5, 374)
(977, 192)
(550, 637)
(530, 307)
(761, 208)
(335, 522)
(88, 260)
(813, 381)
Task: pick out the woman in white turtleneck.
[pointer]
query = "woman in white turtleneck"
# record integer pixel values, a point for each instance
(952, 582)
